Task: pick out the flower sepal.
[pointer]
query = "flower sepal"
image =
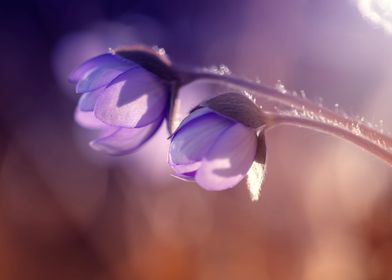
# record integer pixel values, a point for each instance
(238, 107)
(153, 60)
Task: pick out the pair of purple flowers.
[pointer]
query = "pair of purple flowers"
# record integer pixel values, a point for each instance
(126, 96)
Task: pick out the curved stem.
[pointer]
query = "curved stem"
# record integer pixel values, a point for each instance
(306, 114)
(376, 147)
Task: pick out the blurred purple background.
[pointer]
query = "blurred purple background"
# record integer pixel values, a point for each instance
(67, 212)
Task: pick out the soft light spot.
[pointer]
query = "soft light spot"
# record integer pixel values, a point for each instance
(223, 163)
(254, 180)
(377, 11)
(141, 110)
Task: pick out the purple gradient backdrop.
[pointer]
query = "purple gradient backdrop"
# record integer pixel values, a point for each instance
(67, 212)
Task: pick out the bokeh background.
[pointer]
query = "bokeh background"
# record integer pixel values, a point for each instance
(67, 212)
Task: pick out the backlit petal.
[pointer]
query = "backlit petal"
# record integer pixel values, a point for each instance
(228, 161)
(88, 100)
(193, 140)
(88, 120)
(107, 60)
(189, 177)
(187, 168)
(196, 114)
(134, 99)
(103, 74)
(125, 140)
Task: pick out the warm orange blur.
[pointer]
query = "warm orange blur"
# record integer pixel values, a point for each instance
(325, 212)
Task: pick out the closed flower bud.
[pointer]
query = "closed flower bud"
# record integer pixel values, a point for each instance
(126, 95)
(217, 144)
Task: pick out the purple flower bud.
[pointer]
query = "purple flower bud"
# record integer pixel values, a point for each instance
(126, 95)
(218, 142)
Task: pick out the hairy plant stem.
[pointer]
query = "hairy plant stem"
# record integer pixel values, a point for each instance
(306, 114)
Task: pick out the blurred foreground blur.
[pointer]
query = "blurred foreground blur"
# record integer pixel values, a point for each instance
(67, 212)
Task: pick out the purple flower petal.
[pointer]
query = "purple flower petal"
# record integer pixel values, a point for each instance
(228, 161)
(125, 140)
(88, 100)
(103, 74)
(98, 78)
(187, 171)
(191, 144)
(186, 168)
(189, 177)
(196, 114)
(134, 99)
(88, 120)
(107, 60)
